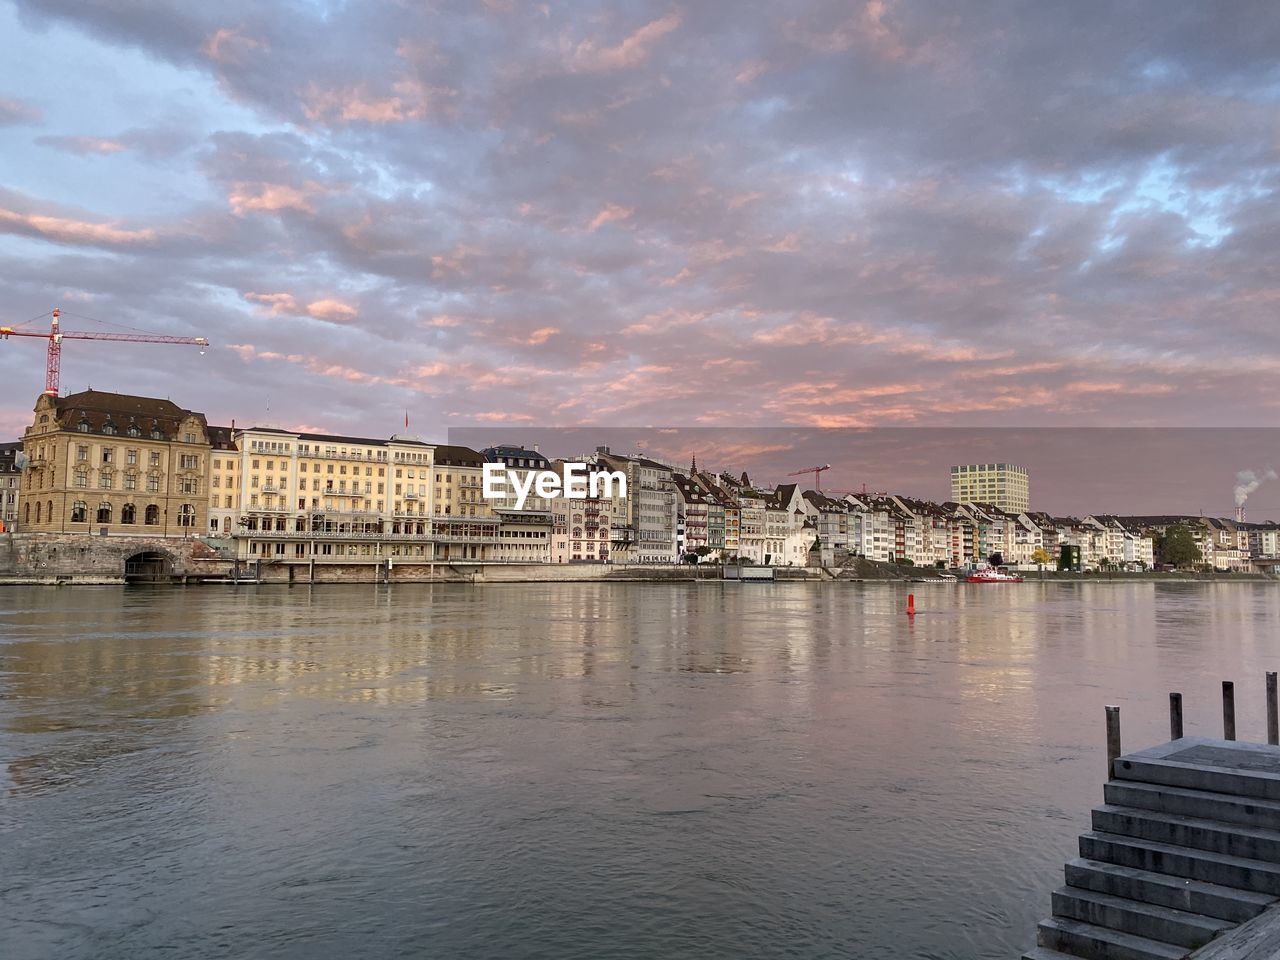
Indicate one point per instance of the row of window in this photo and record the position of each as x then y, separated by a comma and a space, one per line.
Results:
104, 513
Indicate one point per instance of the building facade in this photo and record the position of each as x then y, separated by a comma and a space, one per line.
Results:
11, 461
115, 464
1002, 485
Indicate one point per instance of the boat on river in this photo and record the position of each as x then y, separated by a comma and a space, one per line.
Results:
989, 574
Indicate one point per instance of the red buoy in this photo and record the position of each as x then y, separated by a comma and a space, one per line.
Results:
911, 604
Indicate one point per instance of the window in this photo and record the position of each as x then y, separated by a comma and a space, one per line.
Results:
153, 484
129, 514
155, 458
104, 480
104, 513
216, 481
186, 515
81, 480
109, 428
157, 435
82, 451
79, 512
131, 457
108, 454
83, 426
189, 485
189, 461
131, 480
151, 516
134, 431
188, 438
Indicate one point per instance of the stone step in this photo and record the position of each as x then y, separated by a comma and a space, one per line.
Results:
1249, 811
1198, 776
1044, 953
1232, 839
1180, 893
1216, 868
1078, 939
1148, 920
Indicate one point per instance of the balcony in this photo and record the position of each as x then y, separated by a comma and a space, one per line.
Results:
412, 496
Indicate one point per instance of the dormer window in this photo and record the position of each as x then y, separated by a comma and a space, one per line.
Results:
109, 428
134, 431
156, 435
83, 426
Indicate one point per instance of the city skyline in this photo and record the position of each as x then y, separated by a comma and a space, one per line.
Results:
828, 215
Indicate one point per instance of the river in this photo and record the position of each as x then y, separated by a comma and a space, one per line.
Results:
578, 770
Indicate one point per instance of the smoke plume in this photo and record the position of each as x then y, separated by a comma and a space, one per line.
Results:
1248, 481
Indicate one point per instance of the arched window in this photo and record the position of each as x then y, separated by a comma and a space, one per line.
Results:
134, 431
79, 512
49, 511
37, 513
83, 426
186, 515
104, 513
157, 435
109, 428
129, 514
26, 513
226, 524
151, 517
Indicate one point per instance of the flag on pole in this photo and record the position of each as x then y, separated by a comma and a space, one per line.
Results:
406, 419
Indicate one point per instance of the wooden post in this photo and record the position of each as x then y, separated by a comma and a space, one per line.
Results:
1113, 739
1175, 716
1273, 717
1228, 710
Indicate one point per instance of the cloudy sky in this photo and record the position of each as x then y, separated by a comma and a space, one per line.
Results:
695, 213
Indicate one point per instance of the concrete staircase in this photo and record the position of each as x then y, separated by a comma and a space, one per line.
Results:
1186, 847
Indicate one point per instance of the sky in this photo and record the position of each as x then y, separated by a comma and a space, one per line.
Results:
812, 215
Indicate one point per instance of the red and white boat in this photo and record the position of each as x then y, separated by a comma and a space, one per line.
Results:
989, 574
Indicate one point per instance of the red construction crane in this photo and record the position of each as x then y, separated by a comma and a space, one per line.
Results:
817, 475
56, 335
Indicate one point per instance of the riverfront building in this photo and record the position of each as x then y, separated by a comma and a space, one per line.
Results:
110, 463
10, 483
1002, 485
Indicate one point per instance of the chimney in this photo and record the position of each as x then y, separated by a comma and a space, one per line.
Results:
1240, 514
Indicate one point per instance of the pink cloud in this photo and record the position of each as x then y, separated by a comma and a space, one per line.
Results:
334, 311
540, 336
274, 303
84, 146
228, 46
411, 99
271, 197
66, 230
631, 52
609, 214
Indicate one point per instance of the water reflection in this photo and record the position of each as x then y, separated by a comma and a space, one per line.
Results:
576, 769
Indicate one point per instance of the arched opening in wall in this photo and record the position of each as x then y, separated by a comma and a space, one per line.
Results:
148, 567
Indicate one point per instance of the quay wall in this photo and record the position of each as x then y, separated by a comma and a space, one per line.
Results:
52, 558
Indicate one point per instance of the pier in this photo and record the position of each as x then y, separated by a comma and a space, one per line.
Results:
1183, 859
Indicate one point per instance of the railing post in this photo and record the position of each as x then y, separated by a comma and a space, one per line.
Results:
1113, 739
1273, 717
1228, 710
1175, 716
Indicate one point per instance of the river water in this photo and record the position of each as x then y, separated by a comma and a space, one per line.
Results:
578, 770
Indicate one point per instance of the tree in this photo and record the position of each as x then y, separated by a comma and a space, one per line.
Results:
996, 559
1177, 547
1041, 557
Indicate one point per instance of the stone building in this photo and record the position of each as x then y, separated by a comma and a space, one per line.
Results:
10, 484
114, 464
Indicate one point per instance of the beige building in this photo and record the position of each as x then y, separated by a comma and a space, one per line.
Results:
224, 481
110, 463
1001, 485
310, 495
464, 525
